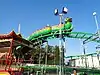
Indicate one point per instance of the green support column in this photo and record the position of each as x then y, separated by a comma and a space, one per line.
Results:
63, 54
46, 58
40, 54
85, 55
64, 47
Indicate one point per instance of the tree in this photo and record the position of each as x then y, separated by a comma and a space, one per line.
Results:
39, 53
57, 55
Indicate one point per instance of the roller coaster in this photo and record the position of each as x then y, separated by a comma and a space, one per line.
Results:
15, 42
67, 27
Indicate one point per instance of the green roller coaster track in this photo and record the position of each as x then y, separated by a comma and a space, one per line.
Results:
78, 35
56, 67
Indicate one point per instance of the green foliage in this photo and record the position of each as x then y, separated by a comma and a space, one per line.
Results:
40, 54
56, 55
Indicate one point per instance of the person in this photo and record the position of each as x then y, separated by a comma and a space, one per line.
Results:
75, 72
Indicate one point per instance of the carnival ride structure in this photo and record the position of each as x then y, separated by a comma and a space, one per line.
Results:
12, 41
41, 36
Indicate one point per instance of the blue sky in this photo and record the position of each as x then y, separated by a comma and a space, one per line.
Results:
36, 14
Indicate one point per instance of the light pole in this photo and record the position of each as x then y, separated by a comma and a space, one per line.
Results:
61, 62
19, 29
97, 25
94, 14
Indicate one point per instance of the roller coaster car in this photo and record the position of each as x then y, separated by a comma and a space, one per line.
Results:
56, 28
68, 25
41, 32
68, 20
44, 31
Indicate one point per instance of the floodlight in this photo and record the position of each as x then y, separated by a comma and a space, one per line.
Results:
64, 10
94, 13
56, 12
